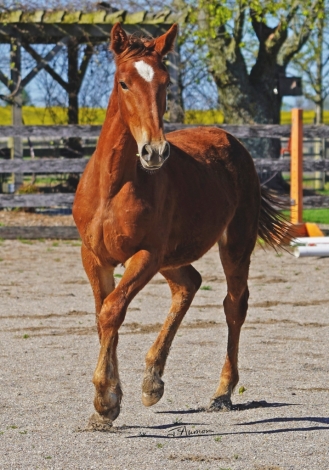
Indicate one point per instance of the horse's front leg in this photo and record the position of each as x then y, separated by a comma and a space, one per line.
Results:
100, 277
184, 283
140, 269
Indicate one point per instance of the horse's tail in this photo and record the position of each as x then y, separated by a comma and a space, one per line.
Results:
273, 226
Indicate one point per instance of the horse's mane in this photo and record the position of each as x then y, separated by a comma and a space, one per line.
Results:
138, 46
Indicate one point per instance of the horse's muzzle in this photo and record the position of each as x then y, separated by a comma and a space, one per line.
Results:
153, 155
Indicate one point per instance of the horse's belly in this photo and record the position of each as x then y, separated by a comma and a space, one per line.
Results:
193, 244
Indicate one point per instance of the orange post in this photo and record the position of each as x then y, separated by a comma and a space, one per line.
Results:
296, 167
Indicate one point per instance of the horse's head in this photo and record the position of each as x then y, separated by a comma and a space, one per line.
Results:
141, 82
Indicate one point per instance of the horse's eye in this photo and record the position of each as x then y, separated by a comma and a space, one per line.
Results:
123, 86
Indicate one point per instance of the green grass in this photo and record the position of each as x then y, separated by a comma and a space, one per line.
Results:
318, 216
205, 287
25, 241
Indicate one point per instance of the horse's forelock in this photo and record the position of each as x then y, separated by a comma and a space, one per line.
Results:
137, 47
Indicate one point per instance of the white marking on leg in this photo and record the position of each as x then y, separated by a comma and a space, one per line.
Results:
144, 70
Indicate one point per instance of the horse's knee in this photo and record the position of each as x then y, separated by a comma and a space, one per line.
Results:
111, 316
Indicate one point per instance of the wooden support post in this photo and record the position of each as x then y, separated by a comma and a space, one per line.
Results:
17, 118
73, 82
296, 172
74, 143
175, 108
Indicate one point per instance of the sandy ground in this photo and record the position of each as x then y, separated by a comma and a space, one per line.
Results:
21, 218
49, 348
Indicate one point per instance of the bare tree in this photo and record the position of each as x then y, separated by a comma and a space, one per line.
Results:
312, 62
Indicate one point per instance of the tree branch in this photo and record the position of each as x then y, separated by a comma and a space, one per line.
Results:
261, 29
5, 80
10, 98
297, 41
273, 38
238, 24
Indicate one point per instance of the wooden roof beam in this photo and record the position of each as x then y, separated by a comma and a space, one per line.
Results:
41, 65
37, 57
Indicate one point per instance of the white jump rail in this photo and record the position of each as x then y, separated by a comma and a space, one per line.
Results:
310, 241
310, 246
308, 250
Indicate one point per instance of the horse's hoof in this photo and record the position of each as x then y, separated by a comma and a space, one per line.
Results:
108, 406
98, 422
152, 391
150, 399
220, 404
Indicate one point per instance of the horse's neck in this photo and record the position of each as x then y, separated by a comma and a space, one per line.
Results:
116, 150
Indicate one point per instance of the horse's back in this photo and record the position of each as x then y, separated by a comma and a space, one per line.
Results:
216, 153
210, 144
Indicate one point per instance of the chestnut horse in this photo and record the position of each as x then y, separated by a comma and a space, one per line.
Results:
152, 212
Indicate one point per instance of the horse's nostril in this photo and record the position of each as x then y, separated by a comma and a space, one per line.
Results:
166, 151
146, 152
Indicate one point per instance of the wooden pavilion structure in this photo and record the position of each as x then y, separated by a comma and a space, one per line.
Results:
69, 29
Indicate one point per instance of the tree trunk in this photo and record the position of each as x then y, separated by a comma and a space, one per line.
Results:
253, 101
319, 112
252, 97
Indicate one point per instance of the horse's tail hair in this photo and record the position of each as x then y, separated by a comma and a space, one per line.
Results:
273, 226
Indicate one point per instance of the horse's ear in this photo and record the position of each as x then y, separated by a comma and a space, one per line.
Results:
165, 43
119, 39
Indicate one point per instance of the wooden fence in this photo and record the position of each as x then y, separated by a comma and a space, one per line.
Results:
77, 165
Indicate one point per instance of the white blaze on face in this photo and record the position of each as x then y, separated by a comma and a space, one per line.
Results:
144, 70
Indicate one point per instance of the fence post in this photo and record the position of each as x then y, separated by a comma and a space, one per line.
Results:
296, 172
17, 145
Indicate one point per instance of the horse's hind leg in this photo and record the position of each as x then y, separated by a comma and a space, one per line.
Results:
184, 283
235, 250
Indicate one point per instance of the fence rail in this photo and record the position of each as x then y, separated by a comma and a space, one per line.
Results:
37, 232
66, 200
36, 200
241, 131
44, 165
77, 165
